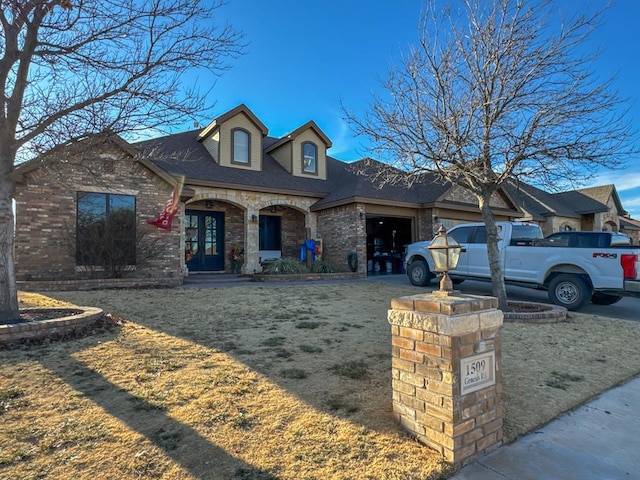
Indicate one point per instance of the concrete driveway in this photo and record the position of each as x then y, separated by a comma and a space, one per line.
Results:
628, 308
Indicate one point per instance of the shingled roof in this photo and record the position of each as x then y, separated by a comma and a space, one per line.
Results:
627, 223
537, 203
581, 203
602, 195
361, 181
182, 154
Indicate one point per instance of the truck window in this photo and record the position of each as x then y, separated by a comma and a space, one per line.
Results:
525, 234
591, 241
481, 235
461, 235
557, 240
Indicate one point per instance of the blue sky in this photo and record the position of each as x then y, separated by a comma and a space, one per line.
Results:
306, 56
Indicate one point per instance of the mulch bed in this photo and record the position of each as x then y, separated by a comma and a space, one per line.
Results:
107, 323
526, 307
40, 314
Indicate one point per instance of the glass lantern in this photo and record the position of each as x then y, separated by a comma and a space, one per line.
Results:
445, 252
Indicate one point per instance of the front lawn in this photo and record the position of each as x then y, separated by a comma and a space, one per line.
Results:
260, 382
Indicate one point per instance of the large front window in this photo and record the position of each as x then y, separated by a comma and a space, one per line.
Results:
240, 152
106, 230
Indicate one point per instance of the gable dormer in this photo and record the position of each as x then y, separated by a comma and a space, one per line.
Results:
303, 152
235, 139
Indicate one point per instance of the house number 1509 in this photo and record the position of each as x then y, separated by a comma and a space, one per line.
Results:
476, 367
477, 372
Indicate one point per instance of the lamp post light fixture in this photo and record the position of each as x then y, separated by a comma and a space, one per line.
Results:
445, 252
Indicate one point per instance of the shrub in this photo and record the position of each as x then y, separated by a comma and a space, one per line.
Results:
285, 265
320, 266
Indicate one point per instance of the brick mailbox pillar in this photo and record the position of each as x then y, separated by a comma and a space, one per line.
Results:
446, 367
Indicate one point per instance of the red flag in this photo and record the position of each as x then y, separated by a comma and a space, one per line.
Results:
165, 218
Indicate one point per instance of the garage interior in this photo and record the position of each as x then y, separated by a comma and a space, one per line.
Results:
386, 239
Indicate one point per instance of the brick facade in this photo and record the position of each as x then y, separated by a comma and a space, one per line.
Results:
343, 230
431, 334
293, 231
46, 215
233, 232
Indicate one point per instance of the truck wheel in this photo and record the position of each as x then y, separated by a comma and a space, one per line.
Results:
419, 274
569, 291
605, 299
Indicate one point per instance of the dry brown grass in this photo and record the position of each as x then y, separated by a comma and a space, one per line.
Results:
262, 383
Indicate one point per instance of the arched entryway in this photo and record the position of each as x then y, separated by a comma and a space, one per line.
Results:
281, 232
204, 240
212, 229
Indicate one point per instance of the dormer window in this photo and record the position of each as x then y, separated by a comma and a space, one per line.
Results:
240, 147
309, 158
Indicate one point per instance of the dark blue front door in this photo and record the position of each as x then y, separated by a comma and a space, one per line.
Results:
204, 242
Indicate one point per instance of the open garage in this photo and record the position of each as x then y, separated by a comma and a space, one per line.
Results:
386, 238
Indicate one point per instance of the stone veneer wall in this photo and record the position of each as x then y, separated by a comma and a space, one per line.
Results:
233, 232
46, 215
342, 231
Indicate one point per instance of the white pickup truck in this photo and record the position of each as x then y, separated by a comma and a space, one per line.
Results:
573, 276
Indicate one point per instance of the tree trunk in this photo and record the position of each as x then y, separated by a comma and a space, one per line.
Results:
8, 291
493, 254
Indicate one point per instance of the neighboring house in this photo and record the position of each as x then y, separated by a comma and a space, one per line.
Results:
243, 191
591, 209
607, 195
630, 228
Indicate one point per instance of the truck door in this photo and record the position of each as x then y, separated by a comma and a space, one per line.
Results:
477, 259
462, 235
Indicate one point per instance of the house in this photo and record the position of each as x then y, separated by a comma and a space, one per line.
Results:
243, 191
591, 209
631, 228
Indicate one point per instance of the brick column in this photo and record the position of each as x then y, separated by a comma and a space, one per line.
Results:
446, 368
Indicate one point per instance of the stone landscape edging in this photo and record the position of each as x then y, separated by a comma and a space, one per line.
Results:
303, 277
547, 314
97, 284
41, 328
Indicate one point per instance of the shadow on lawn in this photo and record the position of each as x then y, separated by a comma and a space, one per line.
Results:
339, 364
180, 442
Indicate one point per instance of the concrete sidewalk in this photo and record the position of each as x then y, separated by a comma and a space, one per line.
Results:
598, 441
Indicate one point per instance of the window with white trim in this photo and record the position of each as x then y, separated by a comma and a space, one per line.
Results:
309, 158
240, 151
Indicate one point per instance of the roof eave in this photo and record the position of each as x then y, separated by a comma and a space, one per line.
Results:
192, 182
290, 136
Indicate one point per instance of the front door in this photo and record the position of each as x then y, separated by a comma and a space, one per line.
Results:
204, 242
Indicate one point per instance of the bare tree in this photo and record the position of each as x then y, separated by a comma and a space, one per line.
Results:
494, 91
73, 68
